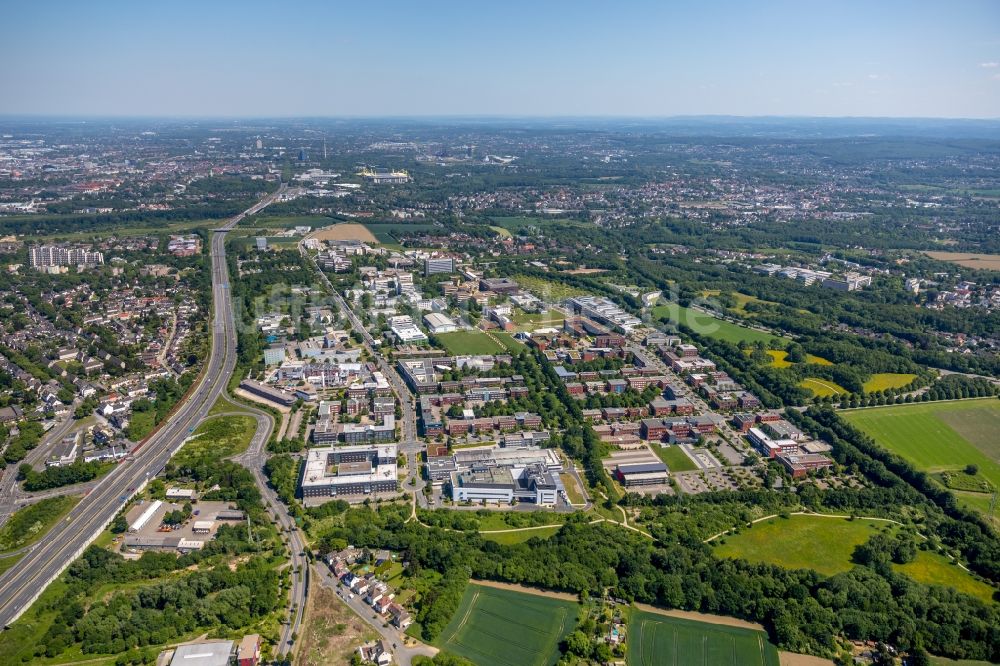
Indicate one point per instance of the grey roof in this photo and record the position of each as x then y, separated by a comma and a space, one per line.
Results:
642, 468
208, 653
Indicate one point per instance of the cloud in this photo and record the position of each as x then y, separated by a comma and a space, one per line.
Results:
990, 65
877, 77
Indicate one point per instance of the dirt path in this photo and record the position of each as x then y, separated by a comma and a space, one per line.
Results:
708, 618
793, 659
537, 591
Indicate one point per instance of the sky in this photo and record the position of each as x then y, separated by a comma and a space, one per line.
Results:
888, 58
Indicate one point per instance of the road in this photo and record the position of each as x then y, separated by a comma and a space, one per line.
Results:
21, 585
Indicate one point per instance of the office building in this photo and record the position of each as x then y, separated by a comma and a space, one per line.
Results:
349, 471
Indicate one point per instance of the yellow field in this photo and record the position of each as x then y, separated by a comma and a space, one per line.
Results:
346, 232
822, 387
986, 262
886, 380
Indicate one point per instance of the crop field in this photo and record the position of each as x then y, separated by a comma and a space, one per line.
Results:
822, 387
705, 324
461, 343
495, 627
886, 380
985, 262
388, 233
940, 436
659, 640
801, 542
346, 232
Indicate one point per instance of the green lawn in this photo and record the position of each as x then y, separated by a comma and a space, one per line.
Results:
508, 341
822, 387
705, 324
886, 380
218, 437
936, 569
674, 458
547, 290
801, 542
659, 640
495, 627
510, 538
462, 343
28, 525
141, 424
939, 436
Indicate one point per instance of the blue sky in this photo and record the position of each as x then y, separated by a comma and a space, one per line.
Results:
544, 57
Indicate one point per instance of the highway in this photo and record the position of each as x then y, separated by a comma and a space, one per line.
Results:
23, 583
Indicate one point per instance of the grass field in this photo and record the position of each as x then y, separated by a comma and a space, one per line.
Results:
936, 569
659, 640
30, 524
822, 387
494, 627
801, 542
547, 290
462, 343
706, 324
818, 360
387, 233
510, 538
219, 437
508, 341
779, 358
675, 459
886, 380
529, 321
940, 436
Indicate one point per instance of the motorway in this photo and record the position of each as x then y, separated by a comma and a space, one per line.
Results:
21, 585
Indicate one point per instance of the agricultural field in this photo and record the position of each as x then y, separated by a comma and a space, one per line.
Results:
463, 343
674, 458
387, 233
288, 221
941, 437
713, 327
822, 387
660, 640
346, 231
888, 380
219, 437
495, 627
801, 542
985, 262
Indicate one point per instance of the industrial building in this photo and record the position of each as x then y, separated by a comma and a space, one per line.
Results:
268, 393
533, 483
439, 323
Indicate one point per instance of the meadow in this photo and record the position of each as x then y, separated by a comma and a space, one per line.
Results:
494, 627
218, 437
705, 324
464, 343
801, 542
659, 640
822, 387
939, 436
887, 380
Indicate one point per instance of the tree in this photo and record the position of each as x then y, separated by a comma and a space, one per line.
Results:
972, 469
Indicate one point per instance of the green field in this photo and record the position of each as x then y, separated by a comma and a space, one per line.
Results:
705, 324
495, 627
508, 341
940, 436
510, 538
547, 290
387, 232
675, 459
779, 358
219, 437
30, 524
659, 640
801, 542
529, 321
887, 380
462, 343
822, 387
818, 360
936, 569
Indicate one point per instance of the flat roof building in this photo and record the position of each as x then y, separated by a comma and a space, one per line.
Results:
349, 471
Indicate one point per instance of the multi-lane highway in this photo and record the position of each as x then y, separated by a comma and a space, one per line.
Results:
23, 583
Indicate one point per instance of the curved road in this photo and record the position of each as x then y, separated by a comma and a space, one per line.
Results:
21, 585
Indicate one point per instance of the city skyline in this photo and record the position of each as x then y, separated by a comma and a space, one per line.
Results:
450, 59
